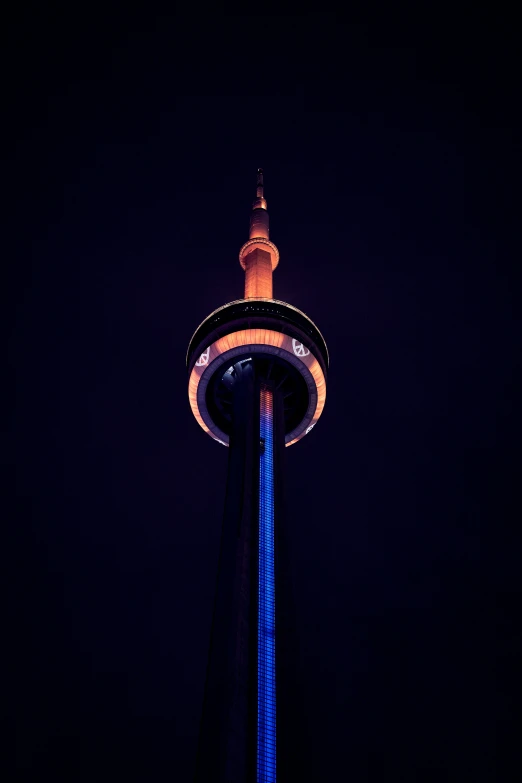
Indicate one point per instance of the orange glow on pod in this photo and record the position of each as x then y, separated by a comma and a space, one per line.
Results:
227, 348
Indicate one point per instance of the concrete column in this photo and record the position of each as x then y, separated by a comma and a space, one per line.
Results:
258, 274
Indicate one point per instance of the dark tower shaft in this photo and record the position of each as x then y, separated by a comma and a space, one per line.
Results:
238, 732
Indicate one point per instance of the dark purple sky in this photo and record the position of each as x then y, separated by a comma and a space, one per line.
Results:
391, 150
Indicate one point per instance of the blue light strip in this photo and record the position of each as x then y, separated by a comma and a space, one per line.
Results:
266, 692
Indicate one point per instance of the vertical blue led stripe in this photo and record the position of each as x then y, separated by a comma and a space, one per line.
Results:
266, 693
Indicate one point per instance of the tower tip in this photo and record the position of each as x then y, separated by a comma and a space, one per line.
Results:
259, 190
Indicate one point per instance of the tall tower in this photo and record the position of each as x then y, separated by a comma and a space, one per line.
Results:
257, 383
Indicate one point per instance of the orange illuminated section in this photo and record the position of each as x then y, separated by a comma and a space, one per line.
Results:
259, 256
225, 350
258, 274
259, 220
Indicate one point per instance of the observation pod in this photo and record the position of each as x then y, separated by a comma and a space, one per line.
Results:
286, 349
257, 371
284, 345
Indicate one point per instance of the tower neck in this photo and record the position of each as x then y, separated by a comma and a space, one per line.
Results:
262, 256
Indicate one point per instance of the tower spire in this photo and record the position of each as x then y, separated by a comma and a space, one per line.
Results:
259, 256
259, 223
259, 193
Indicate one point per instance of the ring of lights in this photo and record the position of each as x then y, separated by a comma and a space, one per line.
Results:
251, 341
257, 242
268, 313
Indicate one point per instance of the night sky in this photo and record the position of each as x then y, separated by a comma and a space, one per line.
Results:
391, 148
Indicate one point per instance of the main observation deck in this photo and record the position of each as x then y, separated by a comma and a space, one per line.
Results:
282, 342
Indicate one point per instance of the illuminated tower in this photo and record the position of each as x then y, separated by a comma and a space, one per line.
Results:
257, 383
